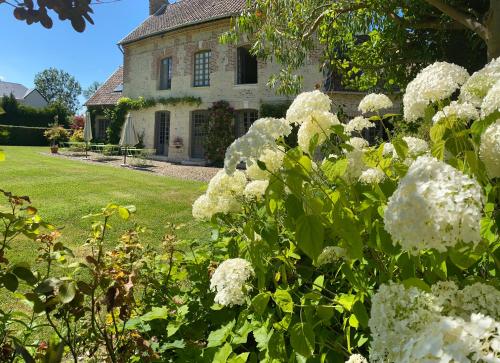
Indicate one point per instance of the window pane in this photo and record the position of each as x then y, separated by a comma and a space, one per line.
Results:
247, 67
202, 69
166, 73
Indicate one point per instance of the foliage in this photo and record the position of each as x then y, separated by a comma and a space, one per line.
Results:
221, 131
58, 86
56, 134
322, 243
77, 12
117, 113
91, 89
77, 136
276, 110
20, 115
369, 44
77, 122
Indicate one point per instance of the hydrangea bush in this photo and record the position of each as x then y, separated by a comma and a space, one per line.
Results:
381, 252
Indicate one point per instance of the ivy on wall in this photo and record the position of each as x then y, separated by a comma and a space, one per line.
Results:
116, 114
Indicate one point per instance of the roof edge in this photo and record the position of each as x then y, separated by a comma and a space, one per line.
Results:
102, 85
186, 25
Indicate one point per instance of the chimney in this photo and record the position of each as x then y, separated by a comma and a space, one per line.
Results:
155, 5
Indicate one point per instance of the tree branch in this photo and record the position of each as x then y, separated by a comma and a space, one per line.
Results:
460, 17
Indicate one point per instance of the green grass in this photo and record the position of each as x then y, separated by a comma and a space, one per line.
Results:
64, 190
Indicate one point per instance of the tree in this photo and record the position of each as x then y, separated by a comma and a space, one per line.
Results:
370, 44
58, 86
90, 90
76, 11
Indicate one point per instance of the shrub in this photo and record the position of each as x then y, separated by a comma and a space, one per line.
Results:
221, 131
77, 135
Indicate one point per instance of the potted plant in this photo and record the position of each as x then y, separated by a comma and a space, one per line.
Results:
55, 134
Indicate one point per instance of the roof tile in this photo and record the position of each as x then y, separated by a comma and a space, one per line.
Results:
183, 13
106, 94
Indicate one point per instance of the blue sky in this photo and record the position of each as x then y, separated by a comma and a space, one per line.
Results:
89, 56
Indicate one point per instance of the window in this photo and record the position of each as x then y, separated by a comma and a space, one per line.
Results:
247, 67
166, 73
102, 126
202, 69
245, 119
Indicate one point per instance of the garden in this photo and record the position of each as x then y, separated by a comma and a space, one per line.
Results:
380, 251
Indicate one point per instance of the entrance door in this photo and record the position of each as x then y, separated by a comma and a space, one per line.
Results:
162, 132
199, 132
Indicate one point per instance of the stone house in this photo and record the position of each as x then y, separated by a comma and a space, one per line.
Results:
176, 52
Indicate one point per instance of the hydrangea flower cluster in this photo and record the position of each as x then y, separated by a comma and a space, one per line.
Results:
273, 160
461, 111
306, 105
435, 82
372, 176
318, 124
479, 84
358, 124
413, 326
435, 206
356, 358
374, 102
221, 195
489, 151
416, 146
229, 281
261, 136
491, 103
256, 189
356, 165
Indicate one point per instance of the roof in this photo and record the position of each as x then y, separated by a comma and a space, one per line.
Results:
106, 94
18, 90
184, 13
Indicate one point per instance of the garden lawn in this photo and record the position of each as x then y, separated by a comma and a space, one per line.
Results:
64, 190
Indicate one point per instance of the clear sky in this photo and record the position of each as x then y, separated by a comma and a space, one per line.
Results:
89, 56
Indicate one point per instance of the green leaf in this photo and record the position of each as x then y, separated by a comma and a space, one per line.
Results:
219, 336
325, 312
302, 339
24, 273
277, 347
124, 213
223, 353
464, 257
67, 292
259, 302
401, 148
438, 149
416, 282
284, 300
347, 301
10, 282
359, 310
310, 235
156, 313
335, 170
173, 327
241, 358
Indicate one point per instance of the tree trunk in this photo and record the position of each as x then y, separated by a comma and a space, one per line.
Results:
492, 24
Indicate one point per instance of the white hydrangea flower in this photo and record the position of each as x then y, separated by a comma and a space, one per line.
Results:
389, 150
478, 85
318, 123
256, 189
372, 176
491, 103
229, 281
358, 143
306, 104
273, 160
462, 111
434, 206
435, 82
356, 358
413, 326
330, 254
261, 135
416, 146
489, 151
374, 102
221, 195
358, 124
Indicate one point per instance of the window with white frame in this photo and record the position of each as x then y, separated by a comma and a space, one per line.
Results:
202, 69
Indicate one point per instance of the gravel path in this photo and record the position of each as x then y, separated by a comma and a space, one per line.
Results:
199, 173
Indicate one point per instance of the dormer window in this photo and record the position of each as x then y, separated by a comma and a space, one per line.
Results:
166, 73
247, 67
202, 69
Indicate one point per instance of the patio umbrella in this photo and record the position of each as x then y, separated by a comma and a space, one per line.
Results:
129, 137
87, 133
